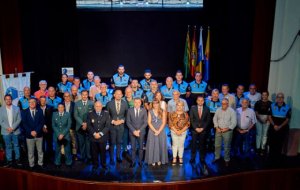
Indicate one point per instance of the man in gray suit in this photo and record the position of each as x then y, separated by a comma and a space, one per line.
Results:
10, 118
117, 110
136, 120
81, 110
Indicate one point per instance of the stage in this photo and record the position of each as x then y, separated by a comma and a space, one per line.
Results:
121, 172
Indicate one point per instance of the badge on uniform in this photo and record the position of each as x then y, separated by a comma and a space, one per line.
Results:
93, 121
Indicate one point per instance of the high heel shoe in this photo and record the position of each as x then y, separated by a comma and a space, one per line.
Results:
180, 161
174, 161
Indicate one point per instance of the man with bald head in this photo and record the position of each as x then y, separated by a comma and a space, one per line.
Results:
167, 90
98, 124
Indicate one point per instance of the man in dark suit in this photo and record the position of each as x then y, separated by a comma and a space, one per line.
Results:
136, 121
33, 123
98, 123
117, 110
69, 107
200, 118
47, 129
81, 110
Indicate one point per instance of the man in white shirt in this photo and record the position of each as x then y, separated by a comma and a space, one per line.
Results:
246, 119
10, 118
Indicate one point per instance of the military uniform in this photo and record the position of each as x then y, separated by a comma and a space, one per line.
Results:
61, 124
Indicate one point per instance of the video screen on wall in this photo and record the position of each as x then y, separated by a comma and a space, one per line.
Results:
139, 4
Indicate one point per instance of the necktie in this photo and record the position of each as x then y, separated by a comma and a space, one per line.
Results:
84, 103
98, 113
200, 112
118, 107
33, 114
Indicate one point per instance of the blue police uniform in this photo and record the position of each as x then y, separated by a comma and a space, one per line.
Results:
182, 87
121, 81
53, 102
238, 100
213, 105
87, 84
146, 84
196, 88
276, 138
23, 103
138, 94
104, 99
149, 97
167, 92
62, 88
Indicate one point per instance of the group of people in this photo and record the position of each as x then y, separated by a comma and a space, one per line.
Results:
78, 120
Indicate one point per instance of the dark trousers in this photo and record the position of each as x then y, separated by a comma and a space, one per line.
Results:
116, 137
48, 146
199, 143
98, 147
67, 148
125, 138
242, 143
84, 145
134, 140
276, 143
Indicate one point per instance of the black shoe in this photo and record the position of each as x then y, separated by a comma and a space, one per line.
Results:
141, 164
192, 161
104, 166
57, 166
7, 164
112, 162
19, 163
119, 160
132, 165
226, 163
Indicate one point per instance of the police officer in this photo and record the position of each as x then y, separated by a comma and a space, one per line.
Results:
137, 92
167, 90
61, 124
104, 96
180, 84
98, 123
279, 120
239, 95
252, 95
145, 83
87, 83
23, 101
120, 80
213, 103
148, 97
197, 87
53, 100
63, 86
78, 84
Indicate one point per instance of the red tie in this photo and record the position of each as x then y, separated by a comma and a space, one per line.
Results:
200, 112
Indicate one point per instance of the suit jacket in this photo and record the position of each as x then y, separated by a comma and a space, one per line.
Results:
197, 122
81, 113
71, 111
15, 122
61, 125
48, 117
98, 124
30, 124
137, 123
111, 108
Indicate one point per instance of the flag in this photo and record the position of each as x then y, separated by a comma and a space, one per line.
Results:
187, 58
14, 85
207, 52
200, 53
193, 55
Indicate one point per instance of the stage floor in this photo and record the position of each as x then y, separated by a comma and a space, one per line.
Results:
121, 172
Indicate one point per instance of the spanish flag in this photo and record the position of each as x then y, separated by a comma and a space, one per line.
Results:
193, 55
187, 54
